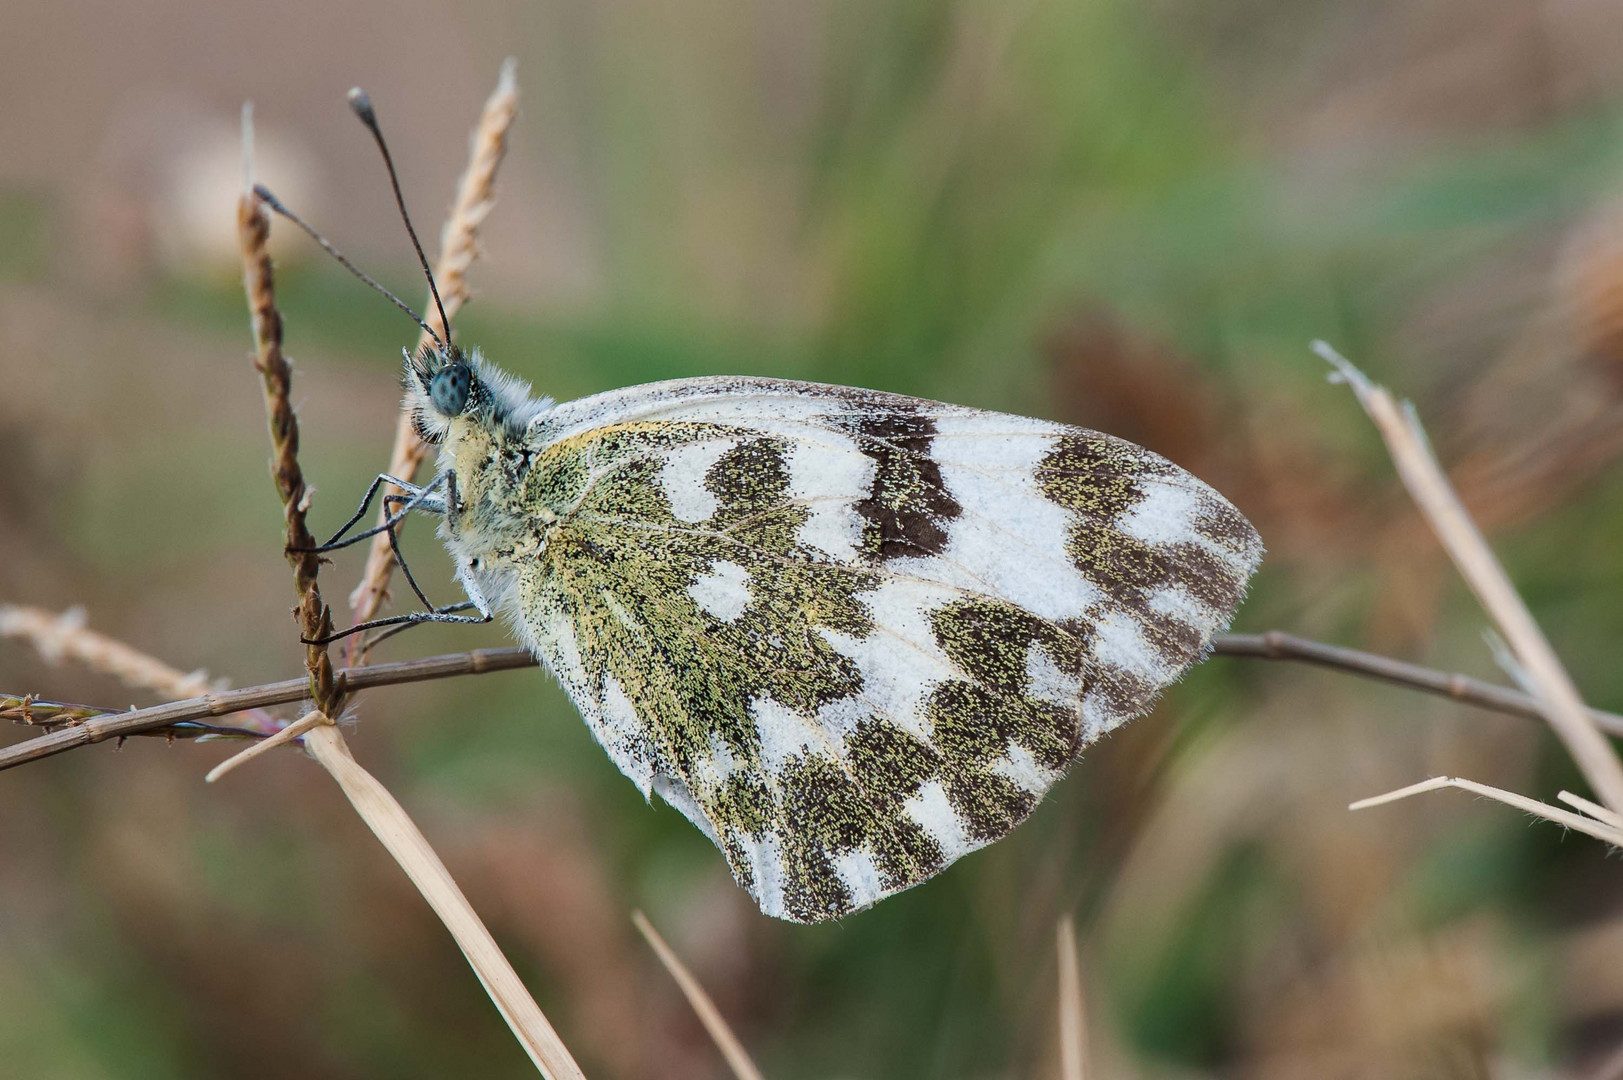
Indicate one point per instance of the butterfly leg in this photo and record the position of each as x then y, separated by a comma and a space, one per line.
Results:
415, 618
374, 640
394, 546
416, 498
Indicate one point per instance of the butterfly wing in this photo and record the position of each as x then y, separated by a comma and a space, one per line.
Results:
854, 636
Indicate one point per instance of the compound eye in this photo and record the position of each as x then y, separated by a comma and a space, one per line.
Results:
449, 389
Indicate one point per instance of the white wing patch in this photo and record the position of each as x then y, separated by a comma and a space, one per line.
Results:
1046, 682
830, 475
940, 820
622, 736
1004, 543
723, 591
683, 477
902, 663
1021, 769
785, 734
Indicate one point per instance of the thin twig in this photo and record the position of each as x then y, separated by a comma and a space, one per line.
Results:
1073, 1021
222, 703
738, 1058
42, 712
95, 728
390, 823
1411, 454
1600, 830
1277, 645
65, 637
475, 195
51, 715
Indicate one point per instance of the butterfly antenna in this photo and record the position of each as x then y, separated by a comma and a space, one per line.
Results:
361, 105
264, 195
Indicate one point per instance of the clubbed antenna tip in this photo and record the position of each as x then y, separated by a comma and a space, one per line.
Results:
361, 104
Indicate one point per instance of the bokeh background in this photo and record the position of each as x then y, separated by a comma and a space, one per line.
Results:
1132, 215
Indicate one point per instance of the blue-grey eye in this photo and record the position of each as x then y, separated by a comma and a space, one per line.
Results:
449, 389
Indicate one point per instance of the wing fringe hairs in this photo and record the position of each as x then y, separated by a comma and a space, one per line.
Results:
852, 636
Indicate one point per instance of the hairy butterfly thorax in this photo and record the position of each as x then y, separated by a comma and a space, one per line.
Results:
480, 418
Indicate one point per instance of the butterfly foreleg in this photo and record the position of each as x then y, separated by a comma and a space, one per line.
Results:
424, 498
406, 622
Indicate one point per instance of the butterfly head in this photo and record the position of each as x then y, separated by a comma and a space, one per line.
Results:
448, 390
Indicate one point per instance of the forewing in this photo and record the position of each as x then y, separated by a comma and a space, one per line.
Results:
854, 636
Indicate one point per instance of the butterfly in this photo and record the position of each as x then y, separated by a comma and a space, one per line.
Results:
852, 636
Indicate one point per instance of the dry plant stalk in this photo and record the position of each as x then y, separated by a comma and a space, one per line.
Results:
1277, 645
259, 283
1600, 827
475, 196
375, 805
297, 728
1073, 1021
721, 1034
92, 724
1548, 680
1594, 810
65, 637
390, 823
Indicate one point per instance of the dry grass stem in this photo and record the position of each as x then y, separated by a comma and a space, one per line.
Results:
270, 742
737, 1058
1593, 809
390, 823
1073, 1021
475, 196
1600, 830
1553, 687
276, 373
65, 637
1277, 645
92, 727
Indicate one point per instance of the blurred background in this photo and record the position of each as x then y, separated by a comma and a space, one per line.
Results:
1123, 214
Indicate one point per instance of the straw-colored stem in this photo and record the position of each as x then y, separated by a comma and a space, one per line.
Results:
97, 725
1562, 705
459, 246
721, 1034
390, 823
1599, 829
1593, 809
265, 745
1073, 1022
